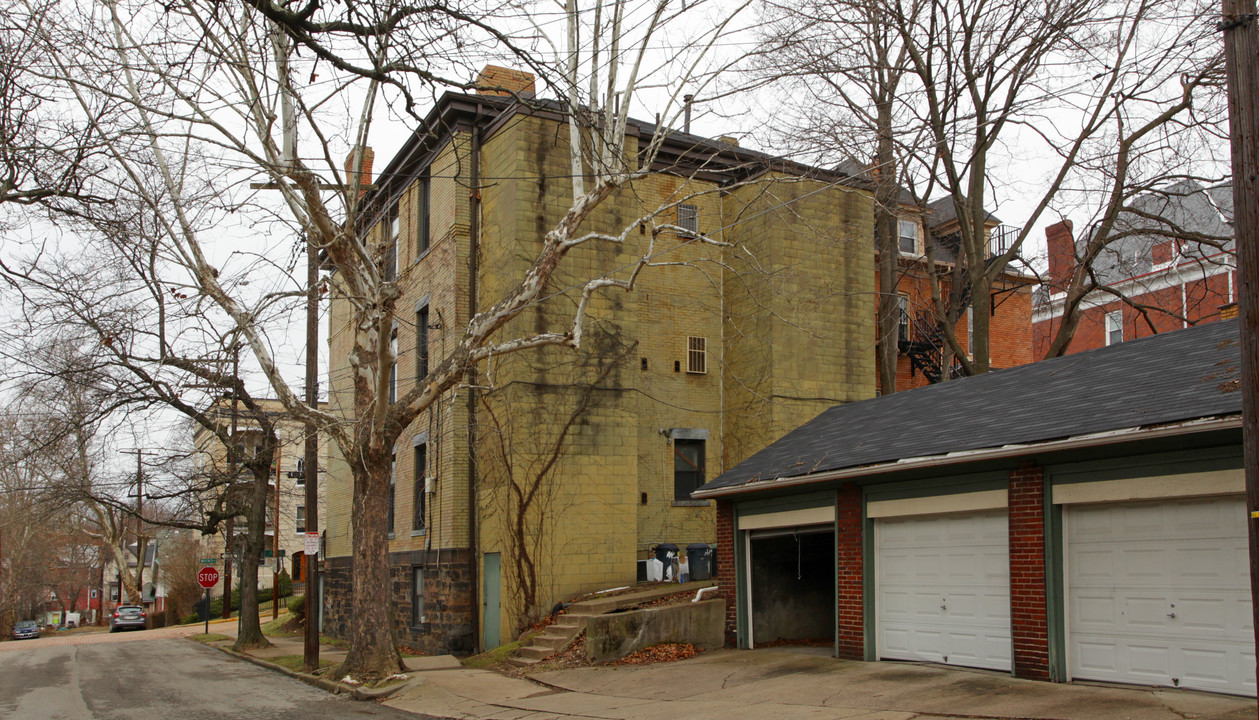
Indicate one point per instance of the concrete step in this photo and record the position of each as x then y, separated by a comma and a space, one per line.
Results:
521, 661
536, 652
555, 642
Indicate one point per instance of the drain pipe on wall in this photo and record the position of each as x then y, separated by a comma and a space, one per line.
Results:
700, 593
474, 246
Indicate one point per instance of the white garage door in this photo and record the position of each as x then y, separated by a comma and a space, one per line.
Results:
943, 589
1159, 594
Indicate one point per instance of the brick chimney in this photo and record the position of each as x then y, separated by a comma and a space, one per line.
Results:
495, 80
1061, 252
363, 161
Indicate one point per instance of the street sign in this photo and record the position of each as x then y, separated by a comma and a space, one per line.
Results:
209, 561
208, 577
312, 543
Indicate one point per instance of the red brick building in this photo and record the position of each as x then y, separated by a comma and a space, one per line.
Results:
921, 342
1173, 268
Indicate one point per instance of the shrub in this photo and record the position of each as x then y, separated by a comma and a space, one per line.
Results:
297, 606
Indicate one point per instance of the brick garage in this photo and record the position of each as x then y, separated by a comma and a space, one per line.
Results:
1007, 521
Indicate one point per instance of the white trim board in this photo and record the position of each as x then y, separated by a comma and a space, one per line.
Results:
1199, 484
788, 518
938, 504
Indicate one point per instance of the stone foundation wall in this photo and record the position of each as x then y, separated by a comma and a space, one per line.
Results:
446, 626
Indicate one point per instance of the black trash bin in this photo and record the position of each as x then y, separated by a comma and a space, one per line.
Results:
667, 554
699, 558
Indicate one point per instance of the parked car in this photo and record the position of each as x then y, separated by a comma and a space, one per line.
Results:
25, 630
128, 617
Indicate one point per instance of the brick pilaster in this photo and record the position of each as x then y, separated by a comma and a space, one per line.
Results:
725, 565
1028, 615
850, 633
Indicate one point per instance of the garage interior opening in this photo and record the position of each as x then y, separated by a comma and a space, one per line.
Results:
793, 587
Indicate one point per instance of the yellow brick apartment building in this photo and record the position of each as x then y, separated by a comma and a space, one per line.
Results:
553, 472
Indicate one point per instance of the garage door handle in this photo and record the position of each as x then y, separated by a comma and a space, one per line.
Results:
1171, 615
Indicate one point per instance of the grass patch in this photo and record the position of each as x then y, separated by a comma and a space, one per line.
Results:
209, 637
498, 655
279, 627
296, 663
334, 642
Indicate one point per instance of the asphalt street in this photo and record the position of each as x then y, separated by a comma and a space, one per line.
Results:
158, 679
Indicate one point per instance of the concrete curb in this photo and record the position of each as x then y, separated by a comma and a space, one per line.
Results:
331, 686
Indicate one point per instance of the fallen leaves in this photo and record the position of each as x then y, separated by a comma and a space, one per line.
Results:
665, 652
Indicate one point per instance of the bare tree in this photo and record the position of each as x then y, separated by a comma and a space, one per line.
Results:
525, 456
204, 98
1120, 97
838, 68
1108, 88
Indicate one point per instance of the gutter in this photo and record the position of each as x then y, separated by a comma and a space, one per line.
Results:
1109, 437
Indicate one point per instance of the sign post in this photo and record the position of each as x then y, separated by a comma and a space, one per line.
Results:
207, 577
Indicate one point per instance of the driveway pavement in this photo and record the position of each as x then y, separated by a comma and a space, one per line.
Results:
792, 685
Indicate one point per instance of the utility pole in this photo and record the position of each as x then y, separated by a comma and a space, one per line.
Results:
141, 539
231, 474
310, 569
275, 540
1241, 57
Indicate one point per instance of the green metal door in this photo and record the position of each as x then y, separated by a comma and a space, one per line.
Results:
492, 604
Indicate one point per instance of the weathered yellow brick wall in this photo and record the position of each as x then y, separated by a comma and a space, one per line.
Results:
340, 484
785, 313
437, 276
798, 291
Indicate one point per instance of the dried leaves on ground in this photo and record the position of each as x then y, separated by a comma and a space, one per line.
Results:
665, 652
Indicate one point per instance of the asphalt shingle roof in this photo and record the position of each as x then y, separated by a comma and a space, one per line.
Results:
1171, 377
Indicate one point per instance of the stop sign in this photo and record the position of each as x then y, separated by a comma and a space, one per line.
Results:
208, 577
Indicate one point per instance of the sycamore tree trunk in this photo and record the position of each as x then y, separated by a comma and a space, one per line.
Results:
373, 650
249, 629
886, 235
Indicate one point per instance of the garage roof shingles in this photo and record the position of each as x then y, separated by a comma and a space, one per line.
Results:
1167, 378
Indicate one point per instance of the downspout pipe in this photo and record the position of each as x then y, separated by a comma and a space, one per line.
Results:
474, 246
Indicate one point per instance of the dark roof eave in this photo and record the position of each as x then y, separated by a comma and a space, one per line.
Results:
1109, 437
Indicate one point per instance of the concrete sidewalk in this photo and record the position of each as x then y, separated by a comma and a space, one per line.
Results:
781, 684
791, 685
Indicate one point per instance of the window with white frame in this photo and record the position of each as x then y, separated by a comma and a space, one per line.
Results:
1114, 327
301, 519
908, 240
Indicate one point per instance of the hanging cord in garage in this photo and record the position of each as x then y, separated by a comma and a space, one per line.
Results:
797, 537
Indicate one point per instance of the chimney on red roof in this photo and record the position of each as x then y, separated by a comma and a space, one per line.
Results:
495, 80
1061, 252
